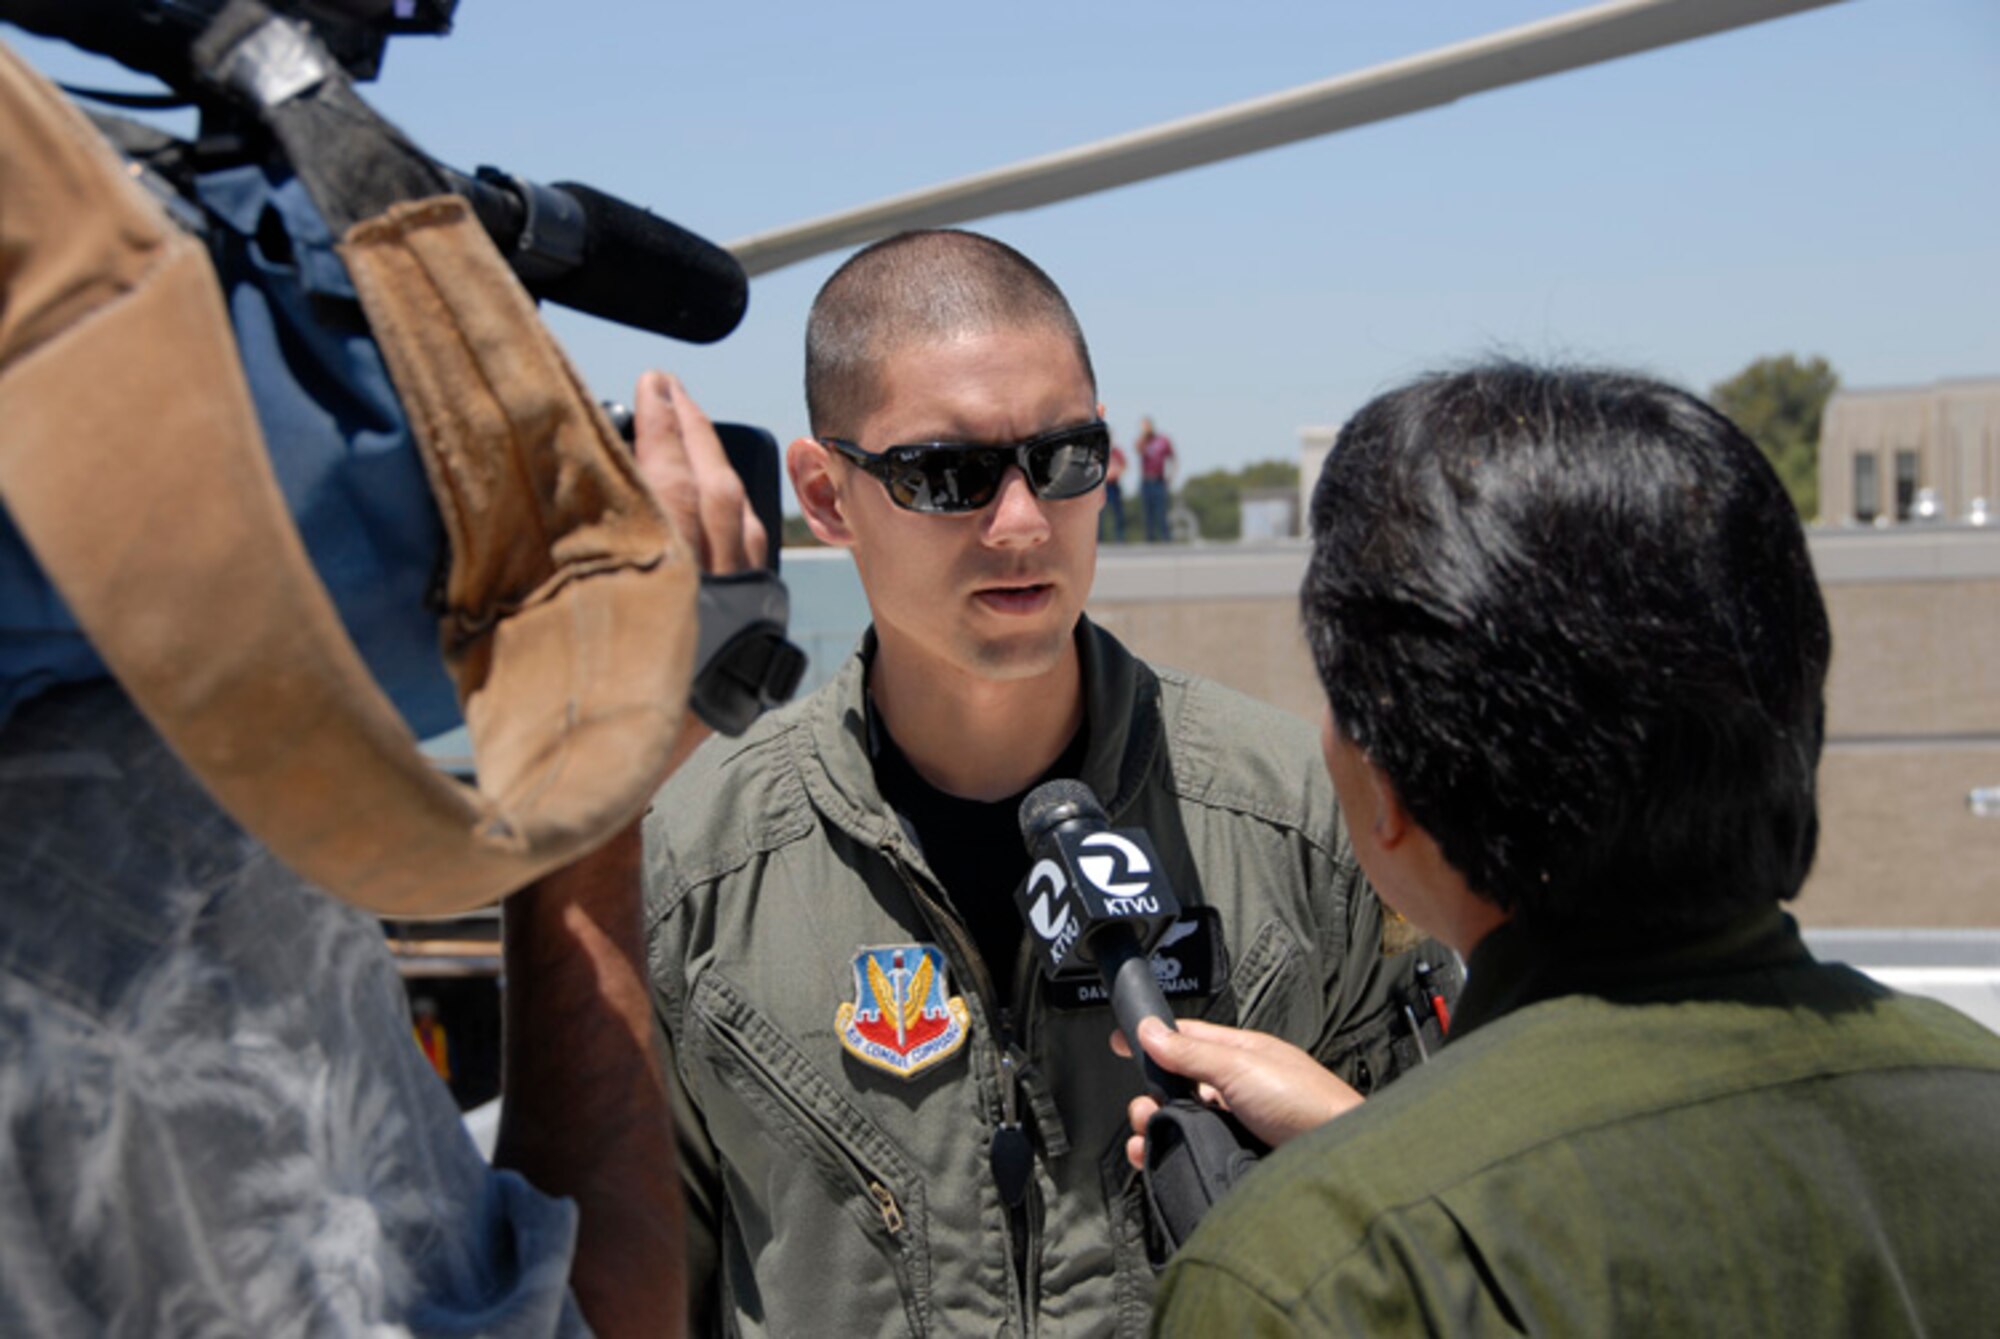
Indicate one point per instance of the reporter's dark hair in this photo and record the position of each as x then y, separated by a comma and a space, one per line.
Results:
1571, 615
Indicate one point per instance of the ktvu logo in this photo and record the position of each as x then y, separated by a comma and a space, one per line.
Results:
1121, 873
1049, 910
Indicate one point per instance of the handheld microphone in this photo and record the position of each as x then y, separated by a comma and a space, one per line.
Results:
1097, 900
1098, 903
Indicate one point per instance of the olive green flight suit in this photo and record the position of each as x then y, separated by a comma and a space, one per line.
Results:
830, 1195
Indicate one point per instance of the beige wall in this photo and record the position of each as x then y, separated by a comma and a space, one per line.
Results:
1915, 659
1250, 644
1898, 846
1913, 699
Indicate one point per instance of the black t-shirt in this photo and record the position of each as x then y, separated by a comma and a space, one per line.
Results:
973, 846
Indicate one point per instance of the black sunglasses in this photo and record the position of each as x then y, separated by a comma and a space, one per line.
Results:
943, 478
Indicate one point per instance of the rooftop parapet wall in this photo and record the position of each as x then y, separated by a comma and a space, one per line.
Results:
1913, 697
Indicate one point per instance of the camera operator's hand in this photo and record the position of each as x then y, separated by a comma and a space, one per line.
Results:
682, 462
1273, 1087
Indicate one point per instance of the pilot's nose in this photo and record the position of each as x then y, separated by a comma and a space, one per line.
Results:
1016, 518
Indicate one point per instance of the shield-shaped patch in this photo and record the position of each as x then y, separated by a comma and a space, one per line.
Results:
902, 1019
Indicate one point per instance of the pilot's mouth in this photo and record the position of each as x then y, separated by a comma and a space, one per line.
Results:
1022, 599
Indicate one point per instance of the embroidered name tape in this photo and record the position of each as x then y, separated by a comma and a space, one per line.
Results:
1190, 962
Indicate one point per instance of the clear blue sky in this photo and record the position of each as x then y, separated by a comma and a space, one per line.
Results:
1824, 183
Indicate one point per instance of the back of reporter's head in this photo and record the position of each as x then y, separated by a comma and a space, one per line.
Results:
1570, 614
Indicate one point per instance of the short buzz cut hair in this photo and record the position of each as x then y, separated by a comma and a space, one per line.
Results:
1571, 616
919, 287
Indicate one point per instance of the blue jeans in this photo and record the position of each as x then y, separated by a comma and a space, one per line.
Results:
1153, 501
207, 1065
1114, 507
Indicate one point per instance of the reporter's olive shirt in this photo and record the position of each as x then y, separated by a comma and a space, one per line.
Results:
826, 1196
1726, 1138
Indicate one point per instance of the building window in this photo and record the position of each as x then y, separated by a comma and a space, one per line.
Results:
1906, 484
1867, 488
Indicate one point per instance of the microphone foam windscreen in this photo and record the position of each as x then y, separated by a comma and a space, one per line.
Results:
640, 270
1054, 803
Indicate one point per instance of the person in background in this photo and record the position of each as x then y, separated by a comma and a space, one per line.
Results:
1574, 655
1156, 479
1114, 495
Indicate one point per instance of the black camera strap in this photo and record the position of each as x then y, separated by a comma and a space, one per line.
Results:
355, 164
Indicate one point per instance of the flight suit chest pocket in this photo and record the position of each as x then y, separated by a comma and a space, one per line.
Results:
820, 1193
1271, 989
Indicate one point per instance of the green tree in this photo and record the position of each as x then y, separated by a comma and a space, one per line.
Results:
1216, 497
1779, 403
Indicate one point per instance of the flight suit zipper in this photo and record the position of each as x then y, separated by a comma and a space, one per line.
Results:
1027, 1254
885, 1203
1013, 1160
946, 926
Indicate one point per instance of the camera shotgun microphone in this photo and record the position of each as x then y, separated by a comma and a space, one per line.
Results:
1098, 903
593, 252
569, 243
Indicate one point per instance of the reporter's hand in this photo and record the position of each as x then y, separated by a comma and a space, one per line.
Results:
1273, 1087
682, 462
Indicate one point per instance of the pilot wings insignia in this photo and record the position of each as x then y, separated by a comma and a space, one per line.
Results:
902, 1019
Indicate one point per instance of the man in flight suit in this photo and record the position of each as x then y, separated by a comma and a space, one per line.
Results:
890, 1119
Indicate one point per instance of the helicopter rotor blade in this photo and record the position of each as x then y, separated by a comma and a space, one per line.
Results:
1517, 55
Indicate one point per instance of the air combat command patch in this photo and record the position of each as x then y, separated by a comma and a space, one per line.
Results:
902, 1021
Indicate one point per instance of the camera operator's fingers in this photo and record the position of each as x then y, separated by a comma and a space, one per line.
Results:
663, 461
736, 539
682, 463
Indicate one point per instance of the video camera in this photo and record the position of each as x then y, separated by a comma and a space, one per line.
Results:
154, 36
567, 242
359, 415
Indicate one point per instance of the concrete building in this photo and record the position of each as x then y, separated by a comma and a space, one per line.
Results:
1315, 444
1270, 514
1911, 453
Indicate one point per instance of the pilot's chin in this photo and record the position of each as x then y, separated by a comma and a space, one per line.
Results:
1022, 655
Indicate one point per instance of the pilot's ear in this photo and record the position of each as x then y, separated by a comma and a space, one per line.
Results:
818, 489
